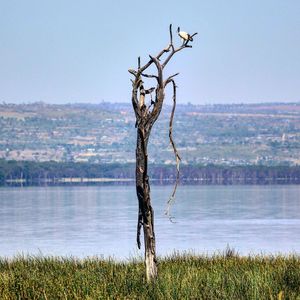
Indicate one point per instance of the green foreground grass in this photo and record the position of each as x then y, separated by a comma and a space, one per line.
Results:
184, 276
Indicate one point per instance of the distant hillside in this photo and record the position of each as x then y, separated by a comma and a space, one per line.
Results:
229, 135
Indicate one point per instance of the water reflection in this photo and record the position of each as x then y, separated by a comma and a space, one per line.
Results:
101, 220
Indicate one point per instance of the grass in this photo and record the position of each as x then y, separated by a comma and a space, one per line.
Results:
181, 276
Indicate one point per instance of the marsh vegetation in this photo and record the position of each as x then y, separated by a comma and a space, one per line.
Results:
184, 276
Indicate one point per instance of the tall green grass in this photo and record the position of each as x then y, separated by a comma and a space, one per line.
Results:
181, 276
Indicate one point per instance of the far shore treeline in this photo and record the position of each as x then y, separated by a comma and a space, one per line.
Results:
29, 172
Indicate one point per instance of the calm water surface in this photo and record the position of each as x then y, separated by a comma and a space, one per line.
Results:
101, 220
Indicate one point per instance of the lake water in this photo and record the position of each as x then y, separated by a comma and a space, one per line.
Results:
101, 220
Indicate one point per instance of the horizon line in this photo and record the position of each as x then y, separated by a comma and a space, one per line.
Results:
129, 103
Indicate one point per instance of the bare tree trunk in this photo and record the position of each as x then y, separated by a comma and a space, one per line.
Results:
146, 115
146, 214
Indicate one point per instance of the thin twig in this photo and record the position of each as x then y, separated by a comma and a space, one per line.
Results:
194, 34
171, 38
168, 80
149, 76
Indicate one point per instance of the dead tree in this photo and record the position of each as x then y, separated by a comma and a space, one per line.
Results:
146, 114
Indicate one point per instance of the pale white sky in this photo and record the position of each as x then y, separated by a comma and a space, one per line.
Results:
62, 51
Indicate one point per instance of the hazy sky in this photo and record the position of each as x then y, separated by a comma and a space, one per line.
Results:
62, 51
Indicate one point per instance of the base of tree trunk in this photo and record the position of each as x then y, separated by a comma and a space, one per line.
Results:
151, 268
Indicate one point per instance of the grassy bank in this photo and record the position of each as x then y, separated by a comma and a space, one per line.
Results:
180, 277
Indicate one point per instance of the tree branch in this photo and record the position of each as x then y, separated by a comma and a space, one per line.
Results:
159, 70
149, 76
184, 45
171, 38
177, 157
194, 34
169, 79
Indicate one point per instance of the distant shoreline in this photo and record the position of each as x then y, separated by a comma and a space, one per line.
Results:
71, 180
55, 173
131, 181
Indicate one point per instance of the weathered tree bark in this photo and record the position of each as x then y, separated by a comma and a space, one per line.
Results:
146, 214
146, 116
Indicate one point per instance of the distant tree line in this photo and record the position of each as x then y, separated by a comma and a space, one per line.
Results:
38, 172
